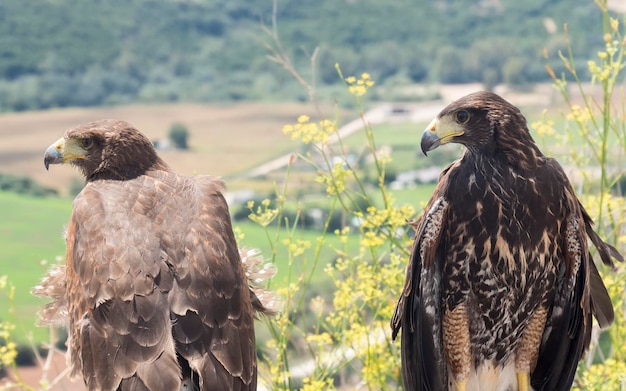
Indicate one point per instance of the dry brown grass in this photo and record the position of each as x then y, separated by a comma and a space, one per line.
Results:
224, 140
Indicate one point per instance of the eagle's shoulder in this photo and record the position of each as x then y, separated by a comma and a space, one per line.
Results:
210, 184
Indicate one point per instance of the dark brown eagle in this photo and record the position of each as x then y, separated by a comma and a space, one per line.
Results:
500, 287
154, 288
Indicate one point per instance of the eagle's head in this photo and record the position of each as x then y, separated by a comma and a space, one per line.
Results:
484, 123
105, 149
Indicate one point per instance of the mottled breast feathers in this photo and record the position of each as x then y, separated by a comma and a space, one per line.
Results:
500, 281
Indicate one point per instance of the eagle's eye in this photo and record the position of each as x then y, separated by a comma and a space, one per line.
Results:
462, 116
86, 142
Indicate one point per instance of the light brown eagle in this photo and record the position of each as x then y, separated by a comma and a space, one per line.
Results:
500, 288
154, 290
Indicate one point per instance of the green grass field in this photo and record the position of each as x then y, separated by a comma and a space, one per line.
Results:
31, 235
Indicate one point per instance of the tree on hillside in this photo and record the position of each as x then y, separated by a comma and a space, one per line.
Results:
179, 134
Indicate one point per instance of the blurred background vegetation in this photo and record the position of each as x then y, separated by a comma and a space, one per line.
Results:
87, 53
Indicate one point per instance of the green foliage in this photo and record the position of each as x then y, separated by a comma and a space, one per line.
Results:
513, 72
76, 53
32, 237
76, 186
449, 66
25, 356
24, 185
8, 347
179, 134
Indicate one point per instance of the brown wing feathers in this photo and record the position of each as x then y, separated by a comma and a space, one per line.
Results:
126, 323
418, 308
154, 287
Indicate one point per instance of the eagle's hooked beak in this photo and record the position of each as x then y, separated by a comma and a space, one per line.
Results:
430, 140
61, 151
54, 153
440, 131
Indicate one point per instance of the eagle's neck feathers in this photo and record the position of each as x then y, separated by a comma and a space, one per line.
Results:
126, 155
514, 148
127, 171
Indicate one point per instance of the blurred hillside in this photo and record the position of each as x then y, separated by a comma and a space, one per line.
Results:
58, 53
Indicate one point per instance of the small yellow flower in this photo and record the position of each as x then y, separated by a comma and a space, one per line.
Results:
288, 129
357, 90
359, 87
297, 247
239, 235
309, 384
320, 339
372, 239
8, 352
543, 127
263, 215
579, 114
311, 132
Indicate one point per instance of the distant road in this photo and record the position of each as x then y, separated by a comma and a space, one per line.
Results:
387, 112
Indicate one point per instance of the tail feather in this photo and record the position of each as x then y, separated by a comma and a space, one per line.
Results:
601, 305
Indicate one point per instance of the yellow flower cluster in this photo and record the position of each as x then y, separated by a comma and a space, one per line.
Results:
278, 375
8, 352
239, 235
376, 370
311, 132
335, 180
359, 87
582, 115
378, 225
316, 385
297, 247
343, 235
609, 375
543, 127
278, 372
321, 340
363, 303
263, 214
613, 210
614, 24
609, 66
